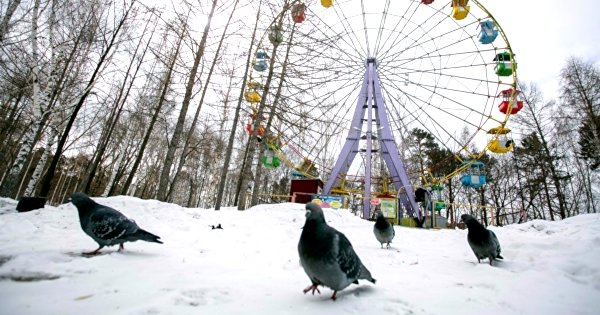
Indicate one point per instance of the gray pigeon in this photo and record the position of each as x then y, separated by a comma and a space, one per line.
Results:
383, 230
483, 242
327, 255
106, 225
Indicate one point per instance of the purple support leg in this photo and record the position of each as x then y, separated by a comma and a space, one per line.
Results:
369, 99
351, 145
369, 150
390, 153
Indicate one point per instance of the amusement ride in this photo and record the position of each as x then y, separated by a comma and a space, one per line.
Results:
372, 72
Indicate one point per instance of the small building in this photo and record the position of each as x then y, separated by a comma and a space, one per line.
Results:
302, 189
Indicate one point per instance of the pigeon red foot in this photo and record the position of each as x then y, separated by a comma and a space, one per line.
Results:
94, 252
313, 287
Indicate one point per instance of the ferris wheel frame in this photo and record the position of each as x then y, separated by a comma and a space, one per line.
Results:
463, 153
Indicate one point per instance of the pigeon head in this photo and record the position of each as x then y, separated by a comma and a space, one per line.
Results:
378, 214
314, 212
81, 200
469, 220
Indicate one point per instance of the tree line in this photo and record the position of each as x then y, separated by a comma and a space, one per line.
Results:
552, 172
122, 98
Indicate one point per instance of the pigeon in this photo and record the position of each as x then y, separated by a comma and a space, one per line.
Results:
106, 225
327, 255
483, 242
383, 230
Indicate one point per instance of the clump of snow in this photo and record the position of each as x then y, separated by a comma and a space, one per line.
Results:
251, 266
7, 205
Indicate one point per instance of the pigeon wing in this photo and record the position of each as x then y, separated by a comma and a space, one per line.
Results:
347, 259
497, 244
109, 225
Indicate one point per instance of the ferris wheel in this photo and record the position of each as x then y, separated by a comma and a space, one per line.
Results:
379, 70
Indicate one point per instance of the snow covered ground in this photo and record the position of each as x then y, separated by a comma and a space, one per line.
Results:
251, 266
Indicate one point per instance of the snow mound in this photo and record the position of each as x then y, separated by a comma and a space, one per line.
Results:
251, 266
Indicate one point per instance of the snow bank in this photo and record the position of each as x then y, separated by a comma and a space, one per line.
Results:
251, 266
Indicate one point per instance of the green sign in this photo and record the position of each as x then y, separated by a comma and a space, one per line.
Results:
388, 207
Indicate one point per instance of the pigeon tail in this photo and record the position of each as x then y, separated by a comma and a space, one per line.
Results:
366, 274
147, 236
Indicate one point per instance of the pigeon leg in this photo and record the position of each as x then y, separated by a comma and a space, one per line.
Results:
381, 245
333, 297
92, 253
388, 245
313, 287
121, 247
490, 261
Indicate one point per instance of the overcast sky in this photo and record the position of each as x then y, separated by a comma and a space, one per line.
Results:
544, 33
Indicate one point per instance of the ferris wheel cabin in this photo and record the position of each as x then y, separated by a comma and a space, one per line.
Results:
460, 9
504, 64
501, 143
260, 61
298, 12
488, 32
474, 175
327, 3
508, 107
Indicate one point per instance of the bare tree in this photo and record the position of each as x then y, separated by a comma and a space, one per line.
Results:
536, 115
580, 94
161, 101
61, 143
228, 151
117, 109
271, 115
176, 138
204, 90
10, 10
246, 172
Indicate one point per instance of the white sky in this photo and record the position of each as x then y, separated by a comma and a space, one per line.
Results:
544, 33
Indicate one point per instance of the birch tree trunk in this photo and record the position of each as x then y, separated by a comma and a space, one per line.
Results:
60, 68
11, 180
63, 139
39, 168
